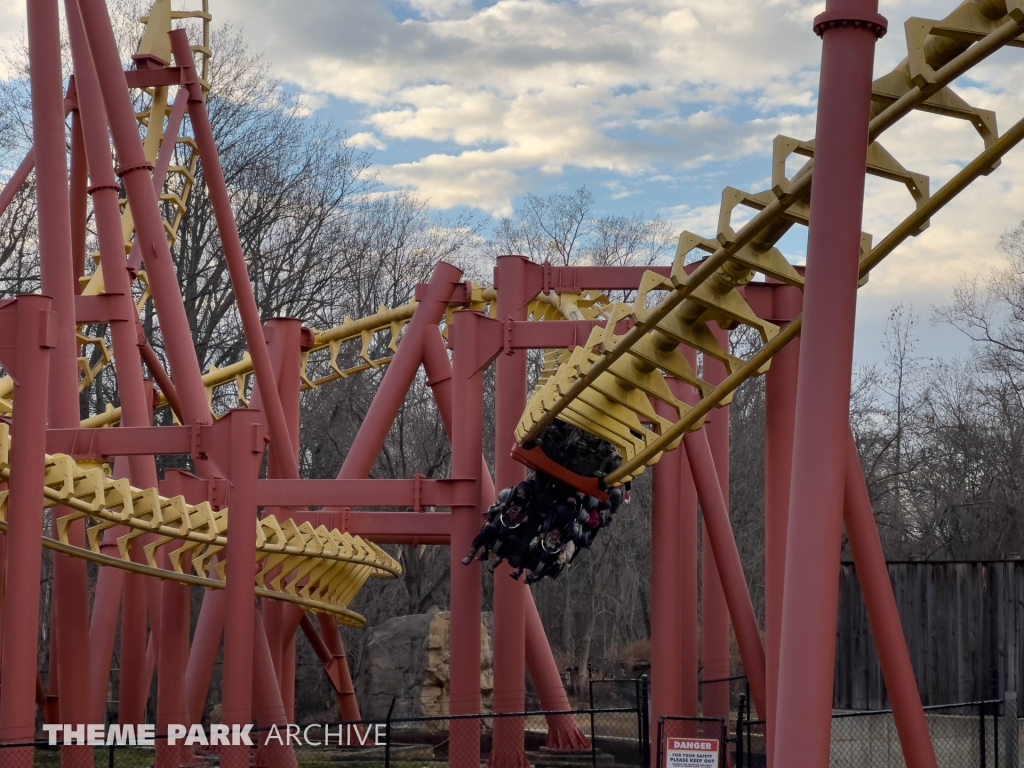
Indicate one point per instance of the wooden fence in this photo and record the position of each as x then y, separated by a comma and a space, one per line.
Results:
964, 623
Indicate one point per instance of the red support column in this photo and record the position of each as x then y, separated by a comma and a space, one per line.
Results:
55, 246
79, 198
272, 633
466, 339
103, 624
172, 659
163, 162
231, 243
438, 368
239, 449
132, 691
3, 591
29, 367
673, 583
807, 648
202, 657
691, 533
715, 650
563, 732
134, 170
690, 649
780, 408
873, 574
135, 398
288, 677
70, 588
667, 563
508, 750
727, 558
268, 707
387, 402
284, 342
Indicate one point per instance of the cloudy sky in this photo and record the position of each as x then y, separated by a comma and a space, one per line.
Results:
654, 106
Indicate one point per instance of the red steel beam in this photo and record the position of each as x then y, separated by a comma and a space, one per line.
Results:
714, 626
509, 693
284, 343
245, 300
400, 527
24, 350
445, 492
667, 582
70, 585
884, 616
565, 334
239, 450
268, 706
79, 199
727, 559
134, 170
780, 408
388, 400
673, 581
563, 732
202, 658
468, 340
17, 181
172, 653
135, 398
849, 29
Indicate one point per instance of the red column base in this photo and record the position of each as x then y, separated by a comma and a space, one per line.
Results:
564, 735
507, 745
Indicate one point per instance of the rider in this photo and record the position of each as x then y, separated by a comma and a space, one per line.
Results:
508, 513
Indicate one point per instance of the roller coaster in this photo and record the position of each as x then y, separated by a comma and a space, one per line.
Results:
653, 379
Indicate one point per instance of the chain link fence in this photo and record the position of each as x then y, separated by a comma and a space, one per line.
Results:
617, 691
980, 734
750, 744
603, 737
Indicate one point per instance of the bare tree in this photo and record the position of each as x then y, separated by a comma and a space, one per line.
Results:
562, 229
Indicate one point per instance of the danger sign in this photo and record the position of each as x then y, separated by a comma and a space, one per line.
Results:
692, 753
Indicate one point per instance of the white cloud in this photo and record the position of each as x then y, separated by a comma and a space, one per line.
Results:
475, 106
536, 86
12, 22
441, 9
308, 103
366, 139
702, 220
470, 178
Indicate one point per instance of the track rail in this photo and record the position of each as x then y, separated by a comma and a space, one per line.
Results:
607, 386
317, 568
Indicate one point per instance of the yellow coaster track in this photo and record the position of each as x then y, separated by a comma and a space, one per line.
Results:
607, 387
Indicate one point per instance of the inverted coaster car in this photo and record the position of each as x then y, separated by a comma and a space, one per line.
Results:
541, 524
577, 458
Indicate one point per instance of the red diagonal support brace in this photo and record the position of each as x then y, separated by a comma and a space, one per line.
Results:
893, 655
727, 558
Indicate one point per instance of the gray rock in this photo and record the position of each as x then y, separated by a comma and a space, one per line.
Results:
406, 658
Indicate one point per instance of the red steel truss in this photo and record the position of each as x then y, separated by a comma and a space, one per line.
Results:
814, 481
